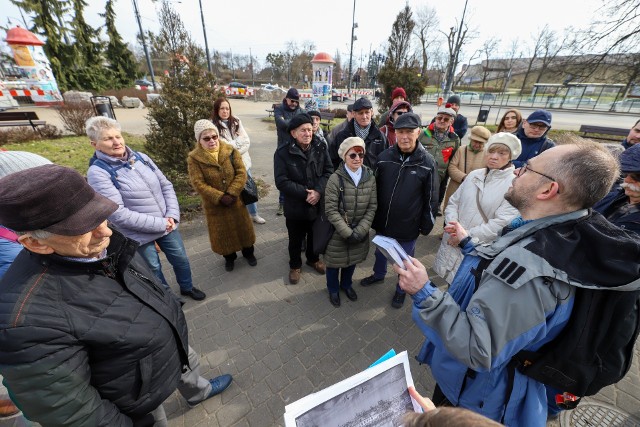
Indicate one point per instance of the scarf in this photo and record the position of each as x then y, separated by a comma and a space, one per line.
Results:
361, 132
213, 152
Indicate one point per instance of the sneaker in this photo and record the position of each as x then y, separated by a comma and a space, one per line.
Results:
370, 280
218, 385
398, 300
258, 219
280, 210
194, 293
317, 266
294, 276
252, 260
228, 264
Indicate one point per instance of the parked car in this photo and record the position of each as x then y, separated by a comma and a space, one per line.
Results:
146, 84
487, 97
626, 105
469, 96
271, 88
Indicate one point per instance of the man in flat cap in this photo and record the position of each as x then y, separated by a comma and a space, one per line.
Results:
363, 127
88, 336
407, 213
302, 169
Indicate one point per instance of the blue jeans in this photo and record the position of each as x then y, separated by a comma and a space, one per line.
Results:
346, 278
173, 248
253, 207
380, 265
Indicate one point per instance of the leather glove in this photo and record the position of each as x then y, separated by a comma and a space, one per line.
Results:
354, 238
227, 199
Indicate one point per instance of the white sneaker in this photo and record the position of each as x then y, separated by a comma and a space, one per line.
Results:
258, 219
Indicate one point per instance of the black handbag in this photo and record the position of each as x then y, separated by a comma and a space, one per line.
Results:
322, 229
249, 193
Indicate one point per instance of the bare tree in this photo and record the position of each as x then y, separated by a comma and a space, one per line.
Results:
552, 46
487, 50
534, 52
466, 67
426, 21
456, 38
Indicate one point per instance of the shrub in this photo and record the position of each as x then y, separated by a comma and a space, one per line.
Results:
406, 78
22, 134
74, 115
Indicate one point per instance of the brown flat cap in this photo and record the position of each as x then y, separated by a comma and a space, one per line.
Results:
51, 198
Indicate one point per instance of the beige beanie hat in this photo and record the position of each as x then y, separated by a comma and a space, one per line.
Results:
201, 126
349, 143
480, 133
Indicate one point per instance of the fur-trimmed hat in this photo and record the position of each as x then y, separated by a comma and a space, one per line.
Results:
348, 144
454, 99
508, 139
201, 126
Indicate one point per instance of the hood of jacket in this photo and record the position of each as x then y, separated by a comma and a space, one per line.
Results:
586, 246
394, 107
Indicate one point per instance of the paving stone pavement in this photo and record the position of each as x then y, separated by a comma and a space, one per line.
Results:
282, 342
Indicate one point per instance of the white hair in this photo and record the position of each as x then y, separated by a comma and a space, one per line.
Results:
36, 234
95, 125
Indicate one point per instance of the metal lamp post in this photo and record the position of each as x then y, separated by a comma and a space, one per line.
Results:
353, 38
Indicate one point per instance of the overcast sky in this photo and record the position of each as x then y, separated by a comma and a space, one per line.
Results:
266, 26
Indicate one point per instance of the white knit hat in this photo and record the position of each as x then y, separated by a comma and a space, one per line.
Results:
201, 126
348, 144
16, 161
508, 139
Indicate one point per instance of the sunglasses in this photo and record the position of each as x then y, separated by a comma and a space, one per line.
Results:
293, 101
443, 119
210, 138
352, 156
633, 176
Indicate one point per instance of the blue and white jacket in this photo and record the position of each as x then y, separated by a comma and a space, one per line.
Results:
522, 302
145, 198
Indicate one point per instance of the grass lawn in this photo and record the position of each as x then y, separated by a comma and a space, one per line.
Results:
75, 152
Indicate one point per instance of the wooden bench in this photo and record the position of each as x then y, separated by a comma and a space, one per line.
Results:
271, 111
20, 118
325, 120
588, 130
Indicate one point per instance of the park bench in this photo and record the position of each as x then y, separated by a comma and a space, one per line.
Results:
20, 118
325, 120
602, 132
271, 111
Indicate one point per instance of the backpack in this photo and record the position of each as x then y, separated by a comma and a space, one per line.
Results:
595, 349
113, 170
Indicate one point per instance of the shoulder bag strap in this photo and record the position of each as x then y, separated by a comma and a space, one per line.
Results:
484, 216
466, 149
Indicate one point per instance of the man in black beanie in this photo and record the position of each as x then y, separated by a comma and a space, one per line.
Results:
302, 168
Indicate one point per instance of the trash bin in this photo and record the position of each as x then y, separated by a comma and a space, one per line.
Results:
103, 107
483, 114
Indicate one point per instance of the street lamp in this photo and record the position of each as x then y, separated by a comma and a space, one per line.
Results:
144, 45
354, 25
206, 45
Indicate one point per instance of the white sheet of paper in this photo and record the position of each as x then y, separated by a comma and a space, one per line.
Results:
391, 249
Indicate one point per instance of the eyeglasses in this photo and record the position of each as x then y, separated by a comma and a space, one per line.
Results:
443, 119
527, 167
399, 113
293, 101
352, 156
633, 176
210, 138
538, 126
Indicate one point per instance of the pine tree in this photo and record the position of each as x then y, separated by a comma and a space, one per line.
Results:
87, 52
121, 61
187, 94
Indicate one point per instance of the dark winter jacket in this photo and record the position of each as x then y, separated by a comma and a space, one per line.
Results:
407, 193
531, 147
360, 205
89, 344
283, 116
616, 208
296, 172
387, 129
460, 125
375, 143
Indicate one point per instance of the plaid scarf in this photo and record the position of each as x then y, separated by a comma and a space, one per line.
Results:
361, 132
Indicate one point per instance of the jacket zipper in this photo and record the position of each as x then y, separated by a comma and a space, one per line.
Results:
147, 280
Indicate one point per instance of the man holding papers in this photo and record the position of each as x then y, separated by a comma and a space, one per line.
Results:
407, 183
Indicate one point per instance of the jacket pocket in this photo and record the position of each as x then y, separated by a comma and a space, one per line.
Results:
145, 366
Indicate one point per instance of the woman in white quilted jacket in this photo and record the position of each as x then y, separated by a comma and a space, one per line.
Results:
479, 204
231, 129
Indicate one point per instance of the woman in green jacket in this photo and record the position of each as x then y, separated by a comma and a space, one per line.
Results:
350, 205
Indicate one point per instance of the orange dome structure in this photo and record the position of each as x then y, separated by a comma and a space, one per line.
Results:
21, 36
322, 58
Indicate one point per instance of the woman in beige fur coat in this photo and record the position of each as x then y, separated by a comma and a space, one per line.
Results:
217, 173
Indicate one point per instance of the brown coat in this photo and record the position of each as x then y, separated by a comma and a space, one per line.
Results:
463, 162
230, 228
